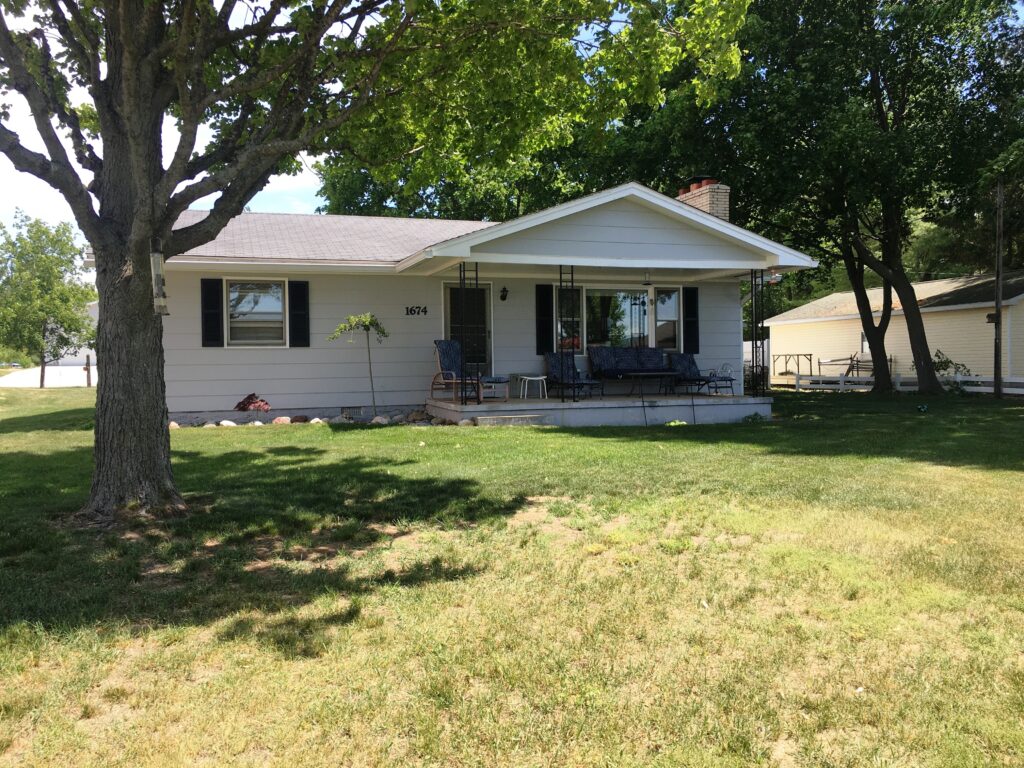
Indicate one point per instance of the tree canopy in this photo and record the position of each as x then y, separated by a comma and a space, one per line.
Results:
852, 125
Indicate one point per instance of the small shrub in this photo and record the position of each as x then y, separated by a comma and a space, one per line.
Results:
754, 418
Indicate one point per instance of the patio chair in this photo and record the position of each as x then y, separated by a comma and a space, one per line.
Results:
688, 375
449, 363
564, 375
721, 378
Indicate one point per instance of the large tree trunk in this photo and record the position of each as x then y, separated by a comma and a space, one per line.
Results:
873, 333
132, 442
924, 365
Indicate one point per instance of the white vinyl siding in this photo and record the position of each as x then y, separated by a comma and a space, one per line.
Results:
623, 230
334, 374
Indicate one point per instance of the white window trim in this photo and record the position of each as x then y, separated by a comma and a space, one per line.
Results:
652, 323
284, 309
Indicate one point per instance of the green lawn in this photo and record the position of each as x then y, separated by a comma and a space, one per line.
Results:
841, 587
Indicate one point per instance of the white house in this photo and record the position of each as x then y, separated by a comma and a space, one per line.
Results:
251, 311
823, 335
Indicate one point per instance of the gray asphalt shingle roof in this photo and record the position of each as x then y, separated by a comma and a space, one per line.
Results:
325, 238
949, 292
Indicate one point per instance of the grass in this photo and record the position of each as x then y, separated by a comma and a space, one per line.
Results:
841, 587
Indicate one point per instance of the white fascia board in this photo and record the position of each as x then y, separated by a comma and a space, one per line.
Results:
613, 263
461, 247
199, 264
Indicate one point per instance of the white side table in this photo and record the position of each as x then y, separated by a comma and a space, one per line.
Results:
524, 385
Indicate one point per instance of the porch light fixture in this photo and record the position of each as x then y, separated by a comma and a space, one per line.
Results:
156, 267
504, 293
647, 278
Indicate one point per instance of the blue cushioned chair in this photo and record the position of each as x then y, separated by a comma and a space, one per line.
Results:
564, 375
688, 375
449, 363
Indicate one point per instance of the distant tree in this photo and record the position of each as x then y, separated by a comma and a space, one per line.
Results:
250, 85
42, 297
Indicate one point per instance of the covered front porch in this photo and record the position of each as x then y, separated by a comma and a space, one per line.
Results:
623, 270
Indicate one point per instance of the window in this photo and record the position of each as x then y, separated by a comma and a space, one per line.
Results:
666, 318
568, 320
616, 318
256, 313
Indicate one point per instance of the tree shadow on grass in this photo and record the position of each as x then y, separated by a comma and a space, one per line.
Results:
270, 541
951, 431
69, 419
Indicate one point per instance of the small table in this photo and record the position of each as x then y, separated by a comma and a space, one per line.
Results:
524, 380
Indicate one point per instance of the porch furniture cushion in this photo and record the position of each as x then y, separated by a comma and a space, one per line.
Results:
449, 363
563, 374
651, 359
622, 362
601, 359
686, 370
626, 358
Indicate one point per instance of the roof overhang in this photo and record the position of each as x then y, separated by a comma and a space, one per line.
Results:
757, 252
896, 311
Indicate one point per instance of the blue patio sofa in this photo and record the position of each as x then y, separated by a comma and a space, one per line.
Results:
622, 362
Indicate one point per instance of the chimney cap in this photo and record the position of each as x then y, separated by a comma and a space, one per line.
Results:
700, 179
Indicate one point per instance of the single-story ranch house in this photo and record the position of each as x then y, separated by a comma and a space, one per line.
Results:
823, 336
624, 268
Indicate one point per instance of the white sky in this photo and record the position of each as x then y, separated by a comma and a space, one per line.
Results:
284, 194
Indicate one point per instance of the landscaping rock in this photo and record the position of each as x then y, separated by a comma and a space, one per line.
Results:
419, 416
209, 424
282, 420
256, 423
399, 419
317, 421
226, 423
467, 423
173, 425
380, 420
300, 419
437, 421
342, 419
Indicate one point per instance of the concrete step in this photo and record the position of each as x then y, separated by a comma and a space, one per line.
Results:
518, 420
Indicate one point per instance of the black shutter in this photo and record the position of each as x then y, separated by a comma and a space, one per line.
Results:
298, 313
545, 318
691, 323
211, 292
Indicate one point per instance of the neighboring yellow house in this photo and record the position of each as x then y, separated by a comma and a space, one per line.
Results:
955, 314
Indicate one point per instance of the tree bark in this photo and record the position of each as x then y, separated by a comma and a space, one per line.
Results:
132, 441
874, 334
927, 382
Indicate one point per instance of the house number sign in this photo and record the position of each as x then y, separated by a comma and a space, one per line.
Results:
415, 310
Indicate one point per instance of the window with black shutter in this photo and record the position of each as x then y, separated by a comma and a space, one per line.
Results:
211, 294
298, 313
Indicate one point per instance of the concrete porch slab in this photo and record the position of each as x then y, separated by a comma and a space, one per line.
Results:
607, 412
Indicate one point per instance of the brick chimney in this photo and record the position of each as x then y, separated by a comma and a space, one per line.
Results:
707, 194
